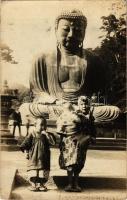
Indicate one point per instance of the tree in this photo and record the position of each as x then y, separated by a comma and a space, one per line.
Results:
112, 51
6, 54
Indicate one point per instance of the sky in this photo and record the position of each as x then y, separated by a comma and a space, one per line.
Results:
27, 27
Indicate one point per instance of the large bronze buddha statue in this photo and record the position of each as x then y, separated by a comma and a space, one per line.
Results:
69, 71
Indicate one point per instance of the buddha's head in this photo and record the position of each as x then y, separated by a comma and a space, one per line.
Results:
70, 29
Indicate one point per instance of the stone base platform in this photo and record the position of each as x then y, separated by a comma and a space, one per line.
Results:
93, 188
102, 178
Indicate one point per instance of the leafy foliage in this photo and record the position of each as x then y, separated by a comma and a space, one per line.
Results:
23, 95
6, 54
112, 51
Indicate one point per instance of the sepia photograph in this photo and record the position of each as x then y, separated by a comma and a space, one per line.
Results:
63, 100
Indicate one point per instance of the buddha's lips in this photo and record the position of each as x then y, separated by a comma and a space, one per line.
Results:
71, 43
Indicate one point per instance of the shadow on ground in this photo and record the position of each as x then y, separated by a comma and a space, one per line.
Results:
93, 182
93, 188
84, 182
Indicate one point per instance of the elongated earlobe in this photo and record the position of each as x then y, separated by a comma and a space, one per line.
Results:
81, 45
58, 45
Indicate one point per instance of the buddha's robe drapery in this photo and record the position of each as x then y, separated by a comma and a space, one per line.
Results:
44, 78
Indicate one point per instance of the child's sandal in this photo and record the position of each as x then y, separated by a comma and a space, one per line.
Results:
33, 188
43, 188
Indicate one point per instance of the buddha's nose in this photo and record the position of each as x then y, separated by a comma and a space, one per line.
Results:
84, 106
71, 32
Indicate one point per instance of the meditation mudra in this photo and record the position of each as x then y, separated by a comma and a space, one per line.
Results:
70, 71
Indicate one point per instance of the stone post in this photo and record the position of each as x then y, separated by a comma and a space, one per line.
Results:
8, 142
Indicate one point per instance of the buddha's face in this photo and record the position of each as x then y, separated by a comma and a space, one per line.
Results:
70, 33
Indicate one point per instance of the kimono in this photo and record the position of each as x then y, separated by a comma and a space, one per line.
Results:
38, 146
75, 130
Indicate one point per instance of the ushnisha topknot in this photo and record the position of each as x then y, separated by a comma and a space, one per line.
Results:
71, 14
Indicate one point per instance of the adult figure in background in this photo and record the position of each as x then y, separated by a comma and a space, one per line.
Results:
76, 129
17, 121
69, 71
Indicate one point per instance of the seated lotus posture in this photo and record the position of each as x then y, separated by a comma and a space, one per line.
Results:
76, 130
38, 144
69, 71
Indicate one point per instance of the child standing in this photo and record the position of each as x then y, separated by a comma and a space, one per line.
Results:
76, 129
38, 144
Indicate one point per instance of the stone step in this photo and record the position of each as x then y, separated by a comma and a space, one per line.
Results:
9, 147
111, 139
7, 182
110, 144
8, 140
107, 147
21, 179
7, 135
93, 188
116, 143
